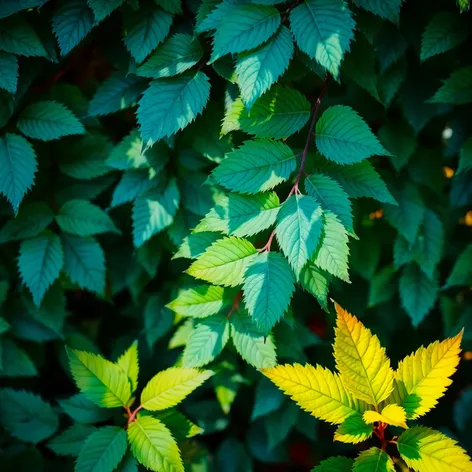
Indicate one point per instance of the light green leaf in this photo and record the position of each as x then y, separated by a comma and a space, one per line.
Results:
199, 302
323, 29
457, 89
129, 364
195, 244
169, 387
465, 156
82, 410
335, 464
353, 430
462, 271
298, 229
388, 9
103, 8
17, 36
8, 71
373, 460
101, 381
71, 440
206, 341
343, 136
224, 262
268, 287
315, 281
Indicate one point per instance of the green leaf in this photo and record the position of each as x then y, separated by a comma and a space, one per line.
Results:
465, 156
400, 139
154, 211
353, 430
101, 381
464, 5
176, 55
259, 69
252, 344
373, 460
169, 387
278, 424
335, 464
153, 445
457, 89
169, 105
332, 256
199, 302
206, 341
103, 450
82, 410
15, 362
432, 239
129, 364
27, 416
8, 72
32, 219
298, 229
84, 262
247, 27
444, 31
388, 9
17, 36
158, 320
8, 7
40, 261
315, 281
343, 136
256, 166
71, 440
279, 113
133, 184
71, 22
172, 6
224, 262
103, 8
83, 218
462, 271
382, 288
242, 215
268, 288
18, 164
331, 196
176, 422
323, 29
145, 29
195, 244
116, 93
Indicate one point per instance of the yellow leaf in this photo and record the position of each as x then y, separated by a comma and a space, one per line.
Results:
392, 414
423, 377
361, 360
317, 390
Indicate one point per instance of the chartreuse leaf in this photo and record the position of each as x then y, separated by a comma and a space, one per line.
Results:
335, 464
102, 8
259, 69
71, 441
424, 450
298, 229
423, 377
170, 104
373, 460
268, 287
8, 72
456, 89
40, 262
224, 262
316, 390
169, 387
199, 302
464, 5
129, 364
252, 344
344, 137
462, 271
47, 120
153, 445
465, 156
323, 29
353, 430
391, 414
242, 215
176, 55
18, 164
82, 410
101, 381
103, 450
388, 9
17, 36
361, 360
315, 281
257, 166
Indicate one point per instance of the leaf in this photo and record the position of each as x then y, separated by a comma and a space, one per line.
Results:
461, 273
268, 287
257, 166
172, 6
71, 440
83, 218
423, 377
8, 7
133, 184
400, 139
391, 414
26, 416
353, 430
298, 229
323, 29
330, 195
17, 36
158, 320
433, 241
170, 104
169, 387
195, 244
456, 89
206, 341
82, 410
129, 364
18, 164
145, 29
103, 450
418, 293
40, 261
84, 262
373, 460
424, 449
154, 211
176, 55
180, 426
14, 361
444, 31
8, 71
103, 8
388, 9
382, 287
153, 445
343, 136
316, 282
465, 156
335, 464
260, 68
361, 360
224, 262
71, 22
199, 302
252, 343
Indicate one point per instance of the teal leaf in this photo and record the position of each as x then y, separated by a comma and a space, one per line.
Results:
71, 440
8, 72
15, 362
382, 287
17, 36
465, 156
461, 273
172, 6
400, 139
103, 8
82, 410
158, 320
195, 244
388, 9
133, 184
8, 7
457, 89
316, 282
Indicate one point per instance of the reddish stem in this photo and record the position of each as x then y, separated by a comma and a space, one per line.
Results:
133, 415
235, 306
